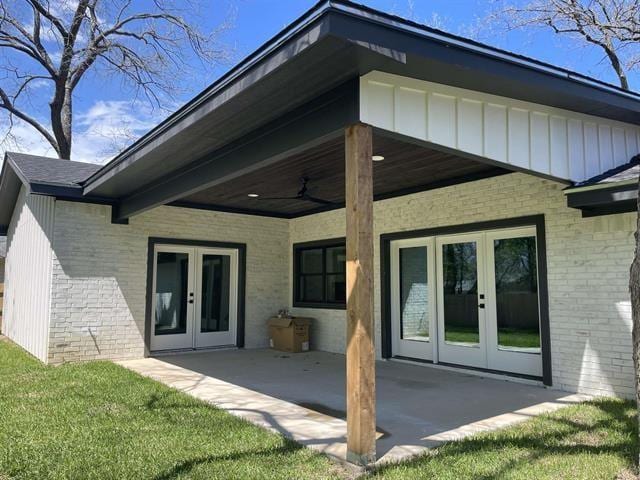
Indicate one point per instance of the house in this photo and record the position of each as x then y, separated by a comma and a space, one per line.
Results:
476, 207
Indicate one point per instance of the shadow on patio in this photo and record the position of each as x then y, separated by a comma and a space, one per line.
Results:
303, 397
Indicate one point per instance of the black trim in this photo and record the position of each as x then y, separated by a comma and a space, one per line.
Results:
299, 247
606, 200
602, 196
536, 221
242, 275
622, 207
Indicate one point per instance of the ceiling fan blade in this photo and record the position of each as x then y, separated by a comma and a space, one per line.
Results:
318, 200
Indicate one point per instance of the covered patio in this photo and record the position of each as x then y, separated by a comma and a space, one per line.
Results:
302, 396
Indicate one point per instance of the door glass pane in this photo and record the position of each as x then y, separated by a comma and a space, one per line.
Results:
517, 293
216, 282
172, 283
460, 284
414, 294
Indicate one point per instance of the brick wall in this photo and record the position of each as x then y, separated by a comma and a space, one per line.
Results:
100, 274
588, 263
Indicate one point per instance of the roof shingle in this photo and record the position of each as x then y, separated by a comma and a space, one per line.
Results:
52, 171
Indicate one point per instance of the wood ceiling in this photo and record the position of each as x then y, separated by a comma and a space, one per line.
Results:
406, 168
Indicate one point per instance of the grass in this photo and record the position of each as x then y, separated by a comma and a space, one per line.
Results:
98, 420
591, 441
507, 337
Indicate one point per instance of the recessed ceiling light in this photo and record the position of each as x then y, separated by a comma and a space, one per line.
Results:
377, 158
253, 195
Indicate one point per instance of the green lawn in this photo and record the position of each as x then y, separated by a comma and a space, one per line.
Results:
98, 420
591, 441
507, 337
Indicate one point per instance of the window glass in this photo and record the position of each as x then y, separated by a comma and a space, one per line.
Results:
336, 259
414, 294
320, 275
460, 286
311, 261
517, 293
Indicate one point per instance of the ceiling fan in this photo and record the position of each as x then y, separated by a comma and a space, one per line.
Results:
301, 195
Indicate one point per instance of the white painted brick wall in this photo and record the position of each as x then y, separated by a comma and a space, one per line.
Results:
99, 270
100, 274
588, 263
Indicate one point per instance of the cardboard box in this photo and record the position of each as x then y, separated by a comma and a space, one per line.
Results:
290, 334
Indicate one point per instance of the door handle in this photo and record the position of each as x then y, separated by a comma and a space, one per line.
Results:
481, 305
191, 300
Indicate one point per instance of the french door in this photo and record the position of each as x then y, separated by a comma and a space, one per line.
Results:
195, 297
413, 305
468, 299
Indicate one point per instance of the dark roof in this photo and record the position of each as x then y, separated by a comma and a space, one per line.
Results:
336, 41
40, 175
630, 171
35, 169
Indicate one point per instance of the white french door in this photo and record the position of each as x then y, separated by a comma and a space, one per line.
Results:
195, 297
413, 300
462, 335
468, 299
513, 336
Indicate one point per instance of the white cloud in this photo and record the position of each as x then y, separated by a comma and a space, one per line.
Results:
99, 132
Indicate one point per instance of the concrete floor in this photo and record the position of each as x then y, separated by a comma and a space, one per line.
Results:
303, 396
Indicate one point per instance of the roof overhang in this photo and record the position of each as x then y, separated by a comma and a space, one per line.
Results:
604, 199
332, 44
12, 179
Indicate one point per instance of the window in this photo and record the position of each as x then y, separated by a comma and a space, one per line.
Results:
319, 274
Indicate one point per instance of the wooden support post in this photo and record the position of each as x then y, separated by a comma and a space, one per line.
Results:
361, 369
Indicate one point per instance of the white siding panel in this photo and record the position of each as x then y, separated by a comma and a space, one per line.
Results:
411, 112
606, 148
495, 132
576, 149
540, 138
519, 137
632, 143
442, 120
380, 107
540, 143
559, 147
28, 266
619, 147
592, 149
470, 126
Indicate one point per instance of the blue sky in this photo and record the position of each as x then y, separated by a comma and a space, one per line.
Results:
106, 118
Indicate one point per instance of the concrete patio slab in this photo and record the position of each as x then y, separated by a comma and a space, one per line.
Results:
302, 396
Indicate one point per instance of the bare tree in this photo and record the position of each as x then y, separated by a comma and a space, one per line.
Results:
60, 41
614, 27
610, 25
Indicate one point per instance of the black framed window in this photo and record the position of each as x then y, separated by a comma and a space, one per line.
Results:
320, 274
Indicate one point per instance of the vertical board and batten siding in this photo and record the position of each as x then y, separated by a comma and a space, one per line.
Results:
28, 265
546, 140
